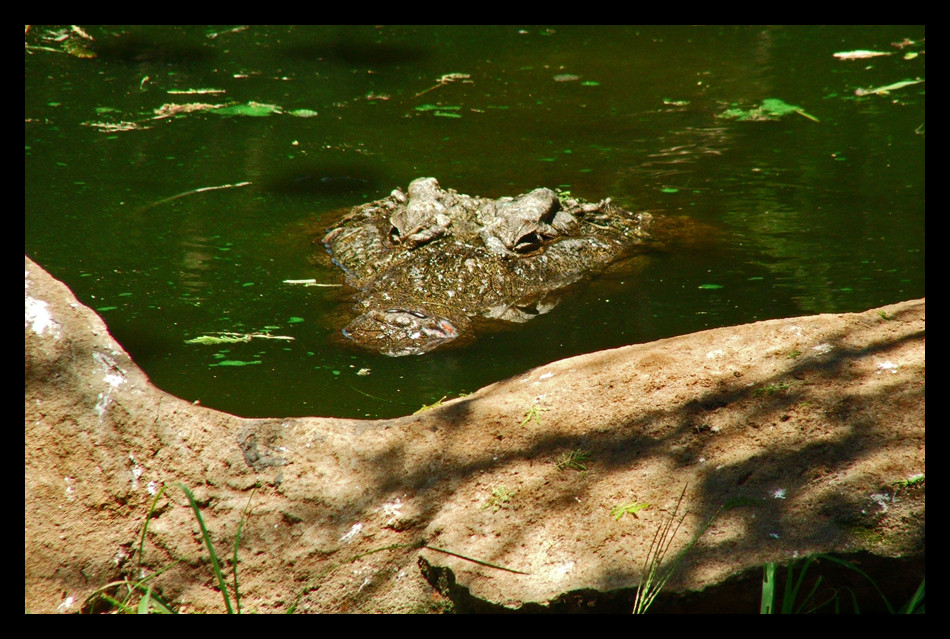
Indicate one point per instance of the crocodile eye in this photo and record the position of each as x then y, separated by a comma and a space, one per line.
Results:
528, 243
407, 311
528, 310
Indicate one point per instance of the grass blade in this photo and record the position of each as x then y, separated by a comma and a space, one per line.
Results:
851, 566
811, 595
475, 561
768, 589
791, 591
144, 601
916, 603
215, 566
237, 540
148, 518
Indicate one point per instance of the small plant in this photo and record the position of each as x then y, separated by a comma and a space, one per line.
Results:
215, 564
434, 404
109, 597
499, 497
793, 354
652, 580
632, 508
769, 389
573, 460
533, 413
149, 601
916, 480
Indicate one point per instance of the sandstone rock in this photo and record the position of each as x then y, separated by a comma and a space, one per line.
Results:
803, 426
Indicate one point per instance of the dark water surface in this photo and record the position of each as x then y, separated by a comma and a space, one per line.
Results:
813, 217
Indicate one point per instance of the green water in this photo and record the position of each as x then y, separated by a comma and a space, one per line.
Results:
811, 217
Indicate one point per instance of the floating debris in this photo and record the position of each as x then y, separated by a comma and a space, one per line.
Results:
859, 54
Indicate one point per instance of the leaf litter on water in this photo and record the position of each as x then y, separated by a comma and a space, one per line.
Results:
886, 89
770, 109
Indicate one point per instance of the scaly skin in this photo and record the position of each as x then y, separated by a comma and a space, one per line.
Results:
427, 263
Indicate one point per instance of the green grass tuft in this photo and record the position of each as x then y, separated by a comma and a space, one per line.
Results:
795, 601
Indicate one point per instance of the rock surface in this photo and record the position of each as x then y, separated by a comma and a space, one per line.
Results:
804, 427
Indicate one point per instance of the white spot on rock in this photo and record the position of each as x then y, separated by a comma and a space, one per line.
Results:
562, 570
352, 533
67, 604
887, 366
39, 319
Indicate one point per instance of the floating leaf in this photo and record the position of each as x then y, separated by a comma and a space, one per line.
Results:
449, 77
435, 107
442, 111
235, 362
233, 338
859, 54
884, 90
195, 91
223, 339
770, 109
78, 49
445, 79
778, 107
252, 109
169, 110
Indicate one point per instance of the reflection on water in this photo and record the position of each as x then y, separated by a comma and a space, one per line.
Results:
686, 149
810, 216
195, 262
136, 48
349, 51
328, 179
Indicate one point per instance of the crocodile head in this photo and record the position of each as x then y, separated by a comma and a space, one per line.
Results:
429, 265
398, 331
